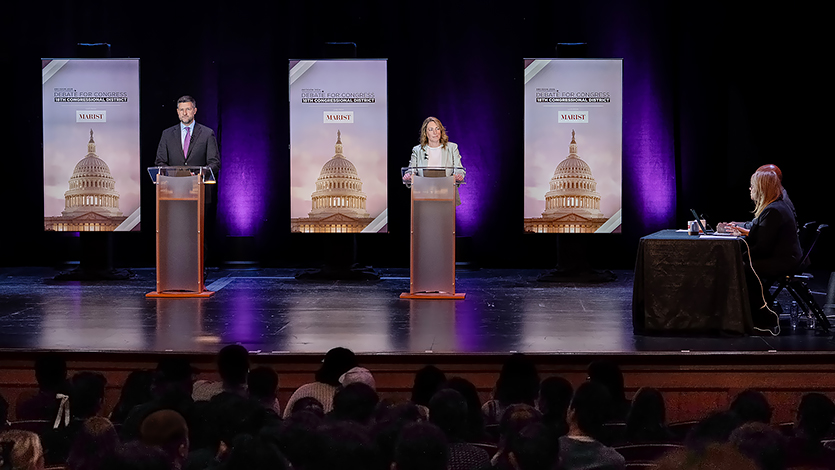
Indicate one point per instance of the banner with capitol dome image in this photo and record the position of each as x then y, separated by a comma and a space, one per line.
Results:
573, 148
338, 146
91, 144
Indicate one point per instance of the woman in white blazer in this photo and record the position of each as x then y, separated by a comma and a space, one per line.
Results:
435, 150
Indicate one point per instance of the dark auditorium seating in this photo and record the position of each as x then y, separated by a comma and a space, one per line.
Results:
490, 448
646, 452
613, 433
37, 426
681, 428
641, 466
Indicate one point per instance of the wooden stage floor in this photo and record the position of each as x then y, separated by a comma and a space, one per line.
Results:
269, 311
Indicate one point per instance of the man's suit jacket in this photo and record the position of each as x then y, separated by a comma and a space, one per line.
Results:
449, 158
202, 150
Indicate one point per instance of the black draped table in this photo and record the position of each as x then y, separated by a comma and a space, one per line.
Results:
690, 284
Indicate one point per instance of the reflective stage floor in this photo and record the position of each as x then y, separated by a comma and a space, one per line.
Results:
268, 310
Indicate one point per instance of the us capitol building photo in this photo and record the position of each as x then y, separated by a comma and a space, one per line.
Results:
572, 205
92, 203
338, 204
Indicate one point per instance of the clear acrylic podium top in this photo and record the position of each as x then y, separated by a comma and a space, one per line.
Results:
179, 171
408, 172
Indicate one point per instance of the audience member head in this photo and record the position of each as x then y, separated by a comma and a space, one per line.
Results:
389, 424
448, 411
262, 383
135, 391
589, 410
51, 372
297, 438
762, 444
533, 448
233, 365
647, 413
168, 430
235, 415
22, 448
404, 411
713, 457
554, 397
514, 419
751, 406
427, 381
337, 361
715, 428
765, 189
358, 375
94, 444
475, 419
203, 427
814, 415
381, 409
355, 402
137, 455
310, 405
254, 453
421, 446
518, 381
608, 374
173, 378
774, 168
87, 395
344, 445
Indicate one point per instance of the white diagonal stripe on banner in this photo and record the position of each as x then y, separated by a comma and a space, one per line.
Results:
534, 68
300, 69
51, 69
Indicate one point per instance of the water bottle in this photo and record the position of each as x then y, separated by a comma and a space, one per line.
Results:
794, 313
810, 321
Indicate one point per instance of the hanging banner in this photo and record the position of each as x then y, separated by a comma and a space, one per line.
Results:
573, 148
91, 144
338, 146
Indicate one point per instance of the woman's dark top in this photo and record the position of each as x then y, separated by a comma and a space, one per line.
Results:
773, 243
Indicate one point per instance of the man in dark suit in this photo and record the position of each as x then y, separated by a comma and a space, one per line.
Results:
200, 149
191, 144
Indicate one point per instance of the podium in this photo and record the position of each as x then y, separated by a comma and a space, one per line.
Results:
181, 193
432, 258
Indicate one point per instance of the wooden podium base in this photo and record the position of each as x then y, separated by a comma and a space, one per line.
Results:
179, 295
433, 296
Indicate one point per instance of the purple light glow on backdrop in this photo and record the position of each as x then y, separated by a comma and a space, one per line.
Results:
245, 173
649, 142
468, 120
649, 160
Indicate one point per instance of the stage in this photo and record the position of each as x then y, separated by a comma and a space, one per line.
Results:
270, 312
111, 327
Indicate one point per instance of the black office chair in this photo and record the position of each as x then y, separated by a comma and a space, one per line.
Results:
796, 284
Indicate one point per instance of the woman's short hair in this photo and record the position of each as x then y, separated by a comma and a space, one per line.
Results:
427, 381
95, 442
518, 381
647, 410
751, 406
26, 450
765, 189
424, 139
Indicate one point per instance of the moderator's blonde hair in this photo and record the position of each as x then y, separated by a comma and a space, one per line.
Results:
765, 189
424, 139
27, 452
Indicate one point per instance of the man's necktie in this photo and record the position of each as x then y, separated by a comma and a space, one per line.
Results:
186, 141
